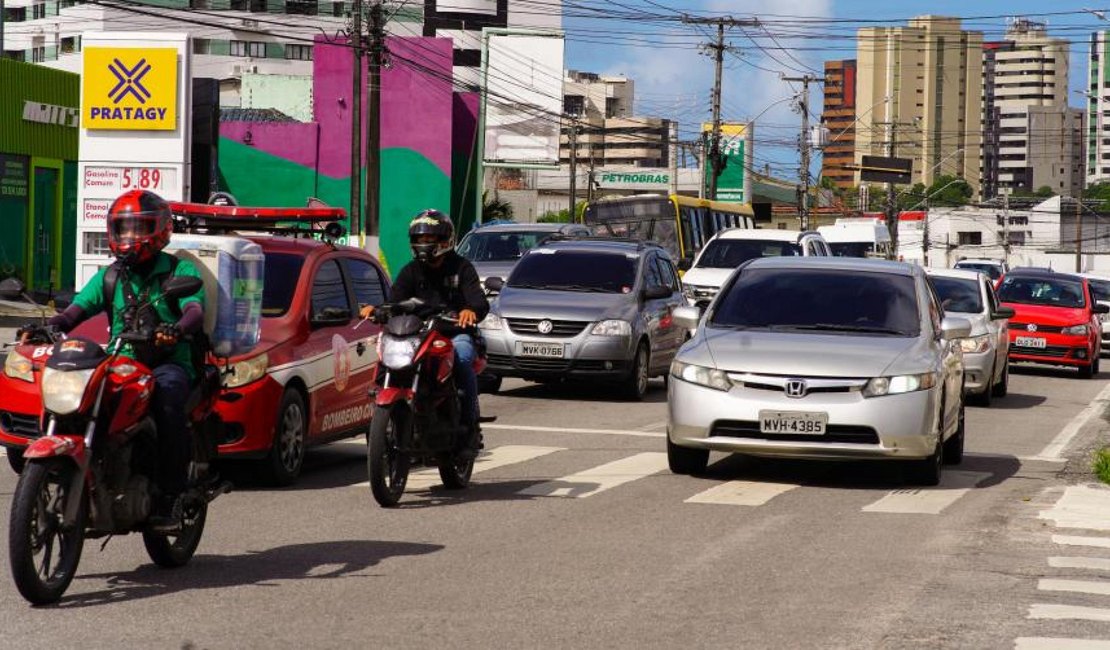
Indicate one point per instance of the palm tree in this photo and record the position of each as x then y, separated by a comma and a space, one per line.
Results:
495, 208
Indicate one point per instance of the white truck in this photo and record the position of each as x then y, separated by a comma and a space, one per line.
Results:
858, 237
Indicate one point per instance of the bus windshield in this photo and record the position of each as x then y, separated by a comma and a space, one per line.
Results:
681, 225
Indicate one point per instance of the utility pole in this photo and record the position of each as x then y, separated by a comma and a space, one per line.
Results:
1006, 228
714, 157
925, 235
373, 121
1079, 235
356, 118
573, 136
803, 145
590, 179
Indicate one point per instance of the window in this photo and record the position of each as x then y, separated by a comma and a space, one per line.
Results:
366, 281
611, 106
958, 294
95, 243
574, 104
970, 238
281, 277
71, 44
575, 271
338, 9
257, 49
731, 253
302, 7
38, 54
38, 11
329, 293
238, 48
667, 273
298, 52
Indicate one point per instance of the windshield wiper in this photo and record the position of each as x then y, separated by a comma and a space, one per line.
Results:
577, 287
833, 327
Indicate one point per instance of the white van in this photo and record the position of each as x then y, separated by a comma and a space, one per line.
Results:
728, 249
858, 237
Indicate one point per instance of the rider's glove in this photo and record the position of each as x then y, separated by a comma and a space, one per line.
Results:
166, 334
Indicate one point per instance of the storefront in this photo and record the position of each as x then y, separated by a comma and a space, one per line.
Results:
38, 175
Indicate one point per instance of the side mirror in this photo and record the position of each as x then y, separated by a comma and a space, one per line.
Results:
331, 317
494, 284
12, 289
687, 317
685, 264
180, 286
657, 292
1101, 308
1003, 313
954, 327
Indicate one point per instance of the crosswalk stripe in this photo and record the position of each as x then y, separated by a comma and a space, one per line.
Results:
601, 478
1079, 540
496, 457
1048, 643
1096, 587
741, 493
1081, 506
929, 501
1096, 563
1068, 612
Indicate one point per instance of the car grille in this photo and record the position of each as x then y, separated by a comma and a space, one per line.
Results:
528, 364
20, 424
833, 433
1059, 351
559, 328
1041, 329
702, 292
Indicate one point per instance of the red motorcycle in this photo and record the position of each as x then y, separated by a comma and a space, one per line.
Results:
417, 406
90, 474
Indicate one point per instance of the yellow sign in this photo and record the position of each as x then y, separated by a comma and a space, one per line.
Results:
129, 88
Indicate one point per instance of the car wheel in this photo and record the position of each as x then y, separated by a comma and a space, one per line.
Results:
1087, 371
684, 460
288, 449
1003, 386
15, 459
489, 384
927, 470
636, 385
1096, 364
954, 446
984, 398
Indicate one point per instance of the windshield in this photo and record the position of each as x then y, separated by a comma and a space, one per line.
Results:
992, 270
851, 248
958, 294
1053, 292
808, 300
282, 271
500, 246
575, 271
731, 253
1101, 289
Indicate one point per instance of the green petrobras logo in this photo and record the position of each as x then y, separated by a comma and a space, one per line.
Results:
635, 177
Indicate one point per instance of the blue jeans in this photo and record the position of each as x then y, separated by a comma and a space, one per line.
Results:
465, 353
175, 450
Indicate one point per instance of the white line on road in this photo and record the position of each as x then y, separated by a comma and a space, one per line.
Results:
1094, 563
611, 432
601, 478
1081, 506
929, 501
1062, 612
741, 493
1096, 587
1056, 448
1077, 540
1048, 643
497, 457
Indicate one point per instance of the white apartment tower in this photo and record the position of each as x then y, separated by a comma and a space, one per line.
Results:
1098, 110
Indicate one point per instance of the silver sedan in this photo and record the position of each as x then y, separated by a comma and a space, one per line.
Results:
832, 358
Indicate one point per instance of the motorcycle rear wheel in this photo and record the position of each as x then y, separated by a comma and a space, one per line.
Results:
387, 466
455, 472
173, 551
37, 528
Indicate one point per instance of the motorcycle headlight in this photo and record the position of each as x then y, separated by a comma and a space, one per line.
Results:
612, 328
1075, 330
247, 371
18, 366
880, 386
700, 375
63, 390
974, 344
398, 353
492, 322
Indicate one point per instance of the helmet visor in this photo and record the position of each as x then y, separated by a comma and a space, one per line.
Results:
133, 228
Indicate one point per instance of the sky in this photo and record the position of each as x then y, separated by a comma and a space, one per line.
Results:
644, 40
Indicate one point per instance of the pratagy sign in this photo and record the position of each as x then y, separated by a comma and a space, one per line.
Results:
132, 89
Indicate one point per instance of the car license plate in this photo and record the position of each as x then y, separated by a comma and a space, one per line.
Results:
786, 422
1030, 342
545, 350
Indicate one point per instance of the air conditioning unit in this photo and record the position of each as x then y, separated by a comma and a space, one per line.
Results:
239, 69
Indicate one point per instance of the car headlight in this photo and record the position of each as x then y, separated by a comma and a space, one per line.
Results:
492, 322
18, 366
973, 344
689, 291
248, 370
700, 375
880, 386
612, 328
398, 353
1075, 330
63, 390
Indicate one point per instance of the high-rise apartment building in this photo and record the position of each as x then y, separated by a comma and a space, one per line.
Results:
1098, 109
1029, 132
919, 96
838, 116
606, 130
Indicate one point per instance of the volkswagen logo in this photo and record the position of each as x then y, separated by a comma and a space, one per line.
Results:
545, 326
1032, 327
795, 388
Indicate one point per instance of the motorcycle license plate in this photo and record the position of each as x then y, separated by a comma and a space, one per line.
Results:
545, 350
792, 422
1030, 342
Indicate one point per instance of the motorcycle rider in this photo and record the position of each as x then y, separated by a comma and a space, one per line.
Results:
139, 227
440, 277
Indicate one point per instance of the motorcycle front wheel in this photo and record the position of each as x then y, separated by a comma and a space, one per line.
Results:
172, 551
387, 465
43, 550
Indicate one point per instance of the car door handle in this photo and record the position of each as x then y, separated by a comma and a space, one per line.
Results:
360, 348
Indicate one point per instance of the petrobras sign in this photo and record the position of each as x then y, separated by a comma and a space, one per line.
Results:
642, 179
129, 89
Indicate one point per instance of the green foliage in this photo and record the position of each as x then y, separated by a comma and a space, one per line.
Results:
563, 216
495, 208
1100, 465
949, 190
912, 199
1045, 192
1101, 192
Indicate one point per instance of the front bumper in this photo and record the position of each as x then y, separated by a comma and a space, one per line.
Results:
585, 356
20, 409
1060, 350
250, 419
893, 426
978, 371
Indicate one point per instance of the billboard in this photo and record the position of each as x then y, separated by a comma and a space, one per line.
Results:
734, 183
131, 89
882, 169
524, 98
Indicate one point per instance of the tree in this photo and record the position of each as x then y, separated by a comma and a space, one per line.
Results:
1044, 192
949, 190
495, 208
912, 199
563, 216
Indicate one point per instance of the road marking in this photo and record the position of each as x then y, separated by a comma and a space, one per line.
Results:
496, 457
1047, 643
601, 478
1095, 563
1056, 448
1096, 587
654, 426
741, 493
1081, 506
611, 432
1024, 459
1062, 612
1077, 540
929, 501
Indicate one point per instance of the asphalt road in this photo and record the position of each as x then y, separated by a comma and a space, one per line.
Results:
575, 535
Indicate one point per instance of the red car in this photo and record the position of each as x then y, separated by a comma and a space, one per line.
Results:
305, 383
1056, 319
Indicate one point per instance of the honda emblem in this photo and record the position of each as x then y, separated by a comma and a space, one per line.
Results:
795, 388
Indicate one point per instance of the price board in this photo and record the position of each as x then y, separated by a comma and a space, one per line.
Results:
113, 181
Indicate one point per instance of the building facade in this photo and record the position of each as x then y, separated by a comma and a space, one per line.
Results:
601, 128
919, 96
1098, 109
838, 116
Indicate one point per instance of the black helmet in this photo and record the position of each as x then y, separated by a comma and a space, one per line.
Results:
436, 224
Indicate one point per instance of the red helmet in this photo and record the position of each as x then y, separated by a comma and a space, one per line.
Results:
139, 226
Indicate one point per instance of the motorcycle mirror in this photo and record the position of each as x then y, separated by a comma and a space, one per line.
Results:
180, 286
